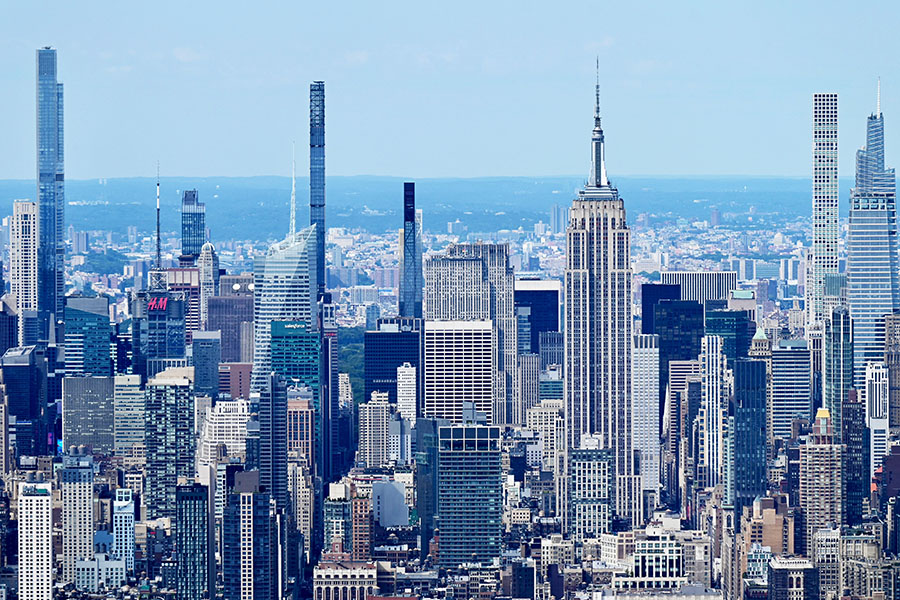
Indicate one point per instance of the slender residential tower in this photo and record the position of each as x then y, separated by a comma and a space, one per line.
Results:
824, 258
411, 281
873, 279
50, 191
598, 333
317, 176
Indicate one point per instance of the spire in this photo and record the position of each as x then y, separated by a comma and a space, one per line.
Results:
878, 100
293, 230
598, 158
158, 246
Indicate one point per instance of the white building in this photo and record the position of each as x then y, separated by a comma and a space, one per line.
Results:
77, 493
128, 413
406, 392
701, 286
100, 573
374, 431
459, 367
877, 414
713, 414
123, 527
224, 424
645, 408
823, 259
546, 419
23, 263
35, 511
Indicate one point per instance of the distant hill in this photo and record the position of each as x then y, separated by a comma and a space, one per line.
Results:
257, 207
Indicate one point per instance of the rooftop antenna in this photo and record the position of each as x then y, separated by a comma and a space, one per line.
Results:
878, 100
293, 190
597, 92
158, 246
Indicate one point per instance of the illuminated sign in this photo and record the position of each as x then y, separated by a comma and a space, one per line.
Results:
157, 303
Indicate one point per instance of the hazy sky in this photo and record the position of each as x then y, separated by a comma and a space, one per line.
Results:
427, 89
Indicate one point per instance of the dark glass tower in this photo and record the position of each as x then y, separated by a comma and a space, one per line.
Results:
679, 325
194, 541
411, 281
651, 295
736, 330
317, 175
838, 364
747, 423
855, 437
542, 298
193, 226
396, 341
273, 440
50, 191
88, 333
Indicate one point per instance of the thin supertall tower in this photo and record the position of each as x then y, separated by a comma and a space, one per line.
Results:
598, 332
824, 257
873, 279
50, 191
411, 281
317, 176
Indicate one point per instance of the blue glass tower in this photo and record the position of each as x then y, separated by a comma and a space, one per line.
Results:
747, 434
194, 542
88, 333
873, 278
411, 278
50, 191
193, 226
317, 175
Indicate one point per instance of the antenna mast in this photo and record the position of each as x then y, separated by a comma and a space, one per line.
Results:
293, 230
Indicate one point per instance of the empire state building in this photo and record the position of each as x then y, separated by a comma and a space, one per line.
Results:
598, 333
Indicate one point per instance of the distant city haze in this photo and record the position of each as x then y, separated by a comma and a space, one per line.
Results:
463, 90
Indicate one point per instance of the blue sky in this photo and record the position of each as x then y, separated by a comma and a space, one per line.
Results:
460, 89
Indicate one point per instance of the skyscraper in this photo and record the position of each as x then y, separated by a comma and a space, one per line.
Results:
821, 479
873, 272
88, 410
598, 329
194, 542
747, 435
459, 367
645, 409
837, 368
411, 278
469, 494
128, 414
590, 488
77, 489
395, 342
23, 262
123, 527
651, 294
877, 414
208, 264
718, 385
680, 325
272, 401
284, 290
206, 354
317, 178
791, 395
50, 191
824, 257
193, 227
87, 337
700, 286
542, 296
856, 458
35, 540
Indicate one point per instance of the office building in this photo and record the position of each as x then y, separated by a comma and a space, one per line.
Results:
700, 286
123, 528
374, 431
679, 325
169, 438
230, 315
193, 227
317, 181
194, 543
599, 325
645, 408
651, 295
542, 297
821, 479
856, 467
208, 267
412, 280
301, 426
23, 262
184, 283
476, 282
407, 393
128, 414
459, 367
747, 435
224, 425
88, 413
792, 579
206, 354
717, 387
837, 368
736, 330
51, 186
23, 372
873, 272
823, 259
791, 392
590, 489
394, 343
892, 361
284, 290
88, 335
234, 379
469, 494
272, 401
157, 329
76, 480
877, 414
35, 510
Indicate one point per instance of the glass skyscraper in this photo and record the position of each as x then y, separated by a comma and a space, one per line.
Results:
873, 279
193, 226
411, 278
50, 190
194, 539
317, 177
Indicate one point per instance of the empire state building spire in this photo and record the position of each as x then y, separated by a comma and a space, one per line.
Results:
597, 177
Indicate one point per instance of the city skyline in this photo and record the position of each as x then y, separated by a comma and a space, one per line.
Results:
664, 85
